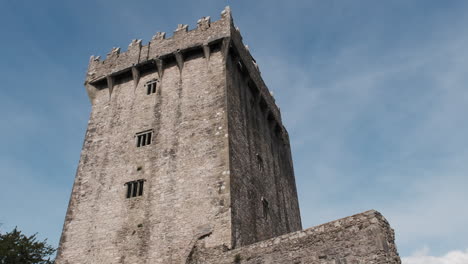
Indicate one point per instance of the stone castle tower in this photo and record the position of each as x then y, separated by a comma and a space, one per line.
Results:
186, 160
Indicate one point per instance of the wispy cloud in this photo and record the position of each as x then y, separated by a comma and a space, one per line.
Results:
423, 257
382, 131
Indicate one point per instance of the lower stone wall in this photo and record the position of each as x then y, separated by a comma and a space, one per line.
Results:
365, 238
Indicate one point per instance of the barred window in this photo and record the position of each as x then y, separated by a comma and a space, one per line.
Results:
151, 87
144, 138
135, 188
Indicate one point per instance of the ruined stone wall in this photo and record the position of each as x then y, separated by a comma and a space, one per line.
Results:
186, 193
364, 238
264, 197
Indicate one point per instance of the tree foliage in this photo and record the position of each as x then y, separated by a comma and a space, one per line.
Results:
17, 248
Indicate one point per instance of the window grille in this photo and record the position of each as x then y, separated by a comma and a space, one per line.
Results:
135, 188
151, 87
144, 138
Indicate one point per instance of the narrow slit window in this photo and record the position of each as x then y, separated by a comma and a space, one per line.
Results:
139, 140
140, 188
151, 87
129, 190
144, 138
148, 138
134, 188
266, 207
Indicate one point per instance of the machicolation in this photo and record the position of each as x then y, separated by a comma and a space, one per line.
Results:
186, 160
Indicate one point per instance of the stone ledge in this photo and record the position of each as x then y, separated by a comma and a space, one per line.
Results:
361, 238
222, 32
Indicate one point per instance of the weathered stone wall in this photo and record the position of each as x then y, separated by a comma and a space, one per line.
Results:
186, 193
264, 197
159, 47
360, 239
218, 173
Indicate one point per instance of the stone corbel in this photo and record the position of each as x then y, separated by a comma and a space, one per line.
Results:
180, 60
207, 52
160, 68
136, 76
110, 84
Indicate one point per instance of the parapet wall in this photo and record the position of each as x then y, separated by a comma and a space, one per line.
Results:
363, 238
208, 37
159, 47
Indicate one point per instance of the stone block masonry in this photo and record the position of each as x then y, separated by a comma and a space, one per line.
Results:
186, 160
364, 238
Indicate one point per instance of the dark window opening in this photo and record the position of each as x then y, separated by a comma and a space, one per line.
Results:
134, 188
151, 87
144, 138
266, 207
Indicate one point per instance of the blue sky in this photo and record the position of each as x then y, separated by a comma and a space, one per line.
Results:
373, 93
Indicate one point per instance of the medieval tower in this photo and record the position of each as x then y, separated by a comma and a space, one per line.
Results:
186, 160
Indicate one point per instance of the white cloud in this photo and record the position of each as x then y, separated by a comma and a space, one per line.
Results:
422, 257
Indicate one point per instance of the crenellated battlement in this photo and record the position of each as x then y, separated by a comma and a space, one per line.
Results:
159, 46
204, 38
204, 23
186, 160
